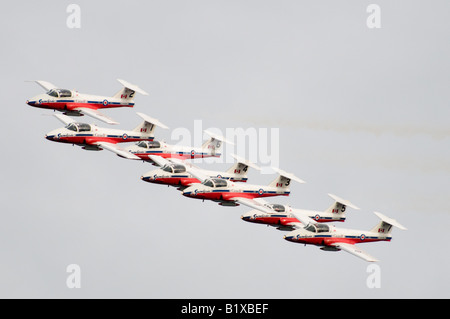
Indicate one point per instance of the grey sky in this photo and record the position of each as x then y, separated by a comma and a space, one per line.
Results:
362, 113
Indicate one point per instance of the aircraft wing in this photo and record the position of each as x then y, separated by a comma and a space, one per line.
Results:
45, 85
96, 114
252, 204
160, 161
197, 173
352, 249
295, 225
116, 149
64, 118
194, 171
303, 218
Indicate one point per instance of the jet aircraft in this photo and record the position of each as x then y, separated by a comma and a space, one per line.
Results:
282, 217
227, 193
175, 173
211, 148
94, 138
72, 103
331, 238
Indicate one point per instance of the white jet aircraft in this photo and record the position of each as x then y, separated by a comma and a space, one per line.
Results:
211, 148
94, 138
77, 104
227, 193
282, 217
175, 173
331, 238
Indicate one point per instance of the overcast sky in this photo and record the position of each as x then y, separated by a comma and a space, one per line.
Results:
361, 113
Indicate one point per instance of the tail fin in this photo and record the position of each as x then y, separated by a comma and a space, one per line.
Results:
385, 225
214, 144
241, 166
339, 206
128, 91
148, 126
284, 179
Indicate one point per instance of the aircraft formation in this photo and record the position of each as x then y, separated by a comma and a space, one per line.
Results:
228, 188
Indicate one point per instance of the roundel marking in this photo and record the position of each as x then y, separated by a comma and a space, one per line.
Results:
261, 191
317, 217
362, 237
219, 176
192, 153
124, 136
105, 102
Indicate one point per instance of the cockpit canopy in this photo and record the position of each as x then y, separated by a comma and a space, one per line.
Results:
174, 168
79, 127
60, 93
277, 207
149, 144
318, 228
215, 182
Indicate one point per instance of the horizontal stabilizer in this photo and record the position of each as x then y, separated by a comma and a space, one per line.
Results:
245, 162
132, 87
343, 201
218, 137
288, 175
152, 120
390, 221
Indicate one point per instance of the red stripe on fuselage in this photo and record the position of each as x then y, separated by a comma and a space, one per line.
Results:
175, 181
229, 195
91, 140
145, 156
273, 220
70, 106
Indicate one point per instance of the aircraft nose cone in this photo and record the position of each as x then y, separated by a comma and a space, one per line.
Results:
187, 193
49, 137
